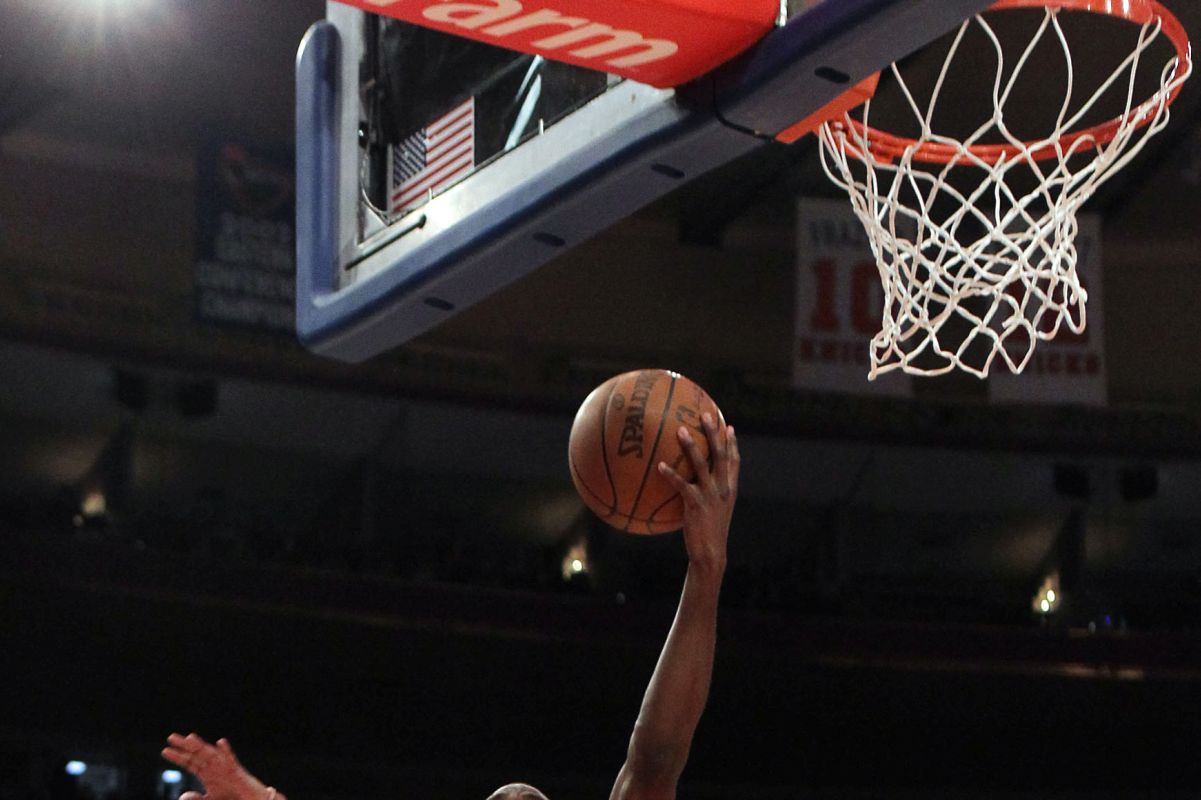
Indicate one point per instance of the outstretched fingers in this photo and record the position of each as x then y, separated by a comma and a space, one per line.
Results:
193, 753
225, 747
700, 465
175, 757
719, 445
690, 494
186, 744
733, 459
718, 474
182, 750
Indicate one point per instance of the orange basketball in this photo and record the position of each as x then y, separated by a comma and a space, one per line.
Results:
623, 429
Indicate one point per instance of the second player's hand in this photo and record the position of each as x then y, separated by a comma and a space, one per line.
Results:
709, 500
217, 767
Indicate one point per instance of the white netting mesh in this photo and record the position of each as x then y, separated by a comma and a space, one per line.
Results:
977, 268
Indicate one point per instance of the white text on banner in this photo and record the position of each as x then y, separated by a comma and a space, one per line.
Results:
839, 304
1069, 369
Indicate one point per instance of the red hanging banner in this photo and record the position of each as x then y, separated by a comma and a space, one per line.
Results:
664, 43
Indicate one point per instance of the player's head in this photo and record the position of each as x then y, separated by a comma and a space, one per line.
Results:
517, 791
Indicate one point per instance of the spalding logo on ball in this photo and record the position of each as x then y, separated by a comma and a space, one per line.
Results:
623, 429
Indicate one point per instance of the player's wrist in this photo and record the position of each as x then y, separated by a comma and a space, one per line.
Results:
709, 566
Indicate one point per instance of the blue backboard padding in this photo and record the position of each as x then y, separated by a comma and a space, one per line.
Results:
316, 172
534, 218
776, 83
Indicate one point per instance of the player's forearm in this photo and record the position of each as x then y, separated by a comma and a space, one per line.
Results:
679, 687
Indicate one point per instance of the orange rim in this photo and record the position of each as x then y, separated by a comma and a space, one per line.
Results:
889, 146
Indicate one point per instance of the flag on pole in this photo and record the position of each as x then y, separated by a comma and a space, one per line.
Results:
433, 158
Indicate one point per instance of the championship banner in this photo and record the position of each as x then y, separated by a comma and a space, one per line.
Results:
660, 42
1069, 369
245, 272
839, 304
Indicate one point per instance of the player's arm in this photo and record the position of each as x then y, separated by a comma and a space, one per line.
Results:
679, 687
217, 767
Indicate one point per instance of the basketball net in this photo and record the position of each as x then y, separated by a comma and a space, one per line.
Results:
974, 268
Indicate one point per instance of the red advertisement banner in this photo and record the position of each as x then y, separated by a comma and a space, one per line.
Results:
663, 43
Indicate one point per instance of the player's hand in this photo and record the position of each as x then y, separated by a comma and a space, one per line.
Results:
217, 767
709, 500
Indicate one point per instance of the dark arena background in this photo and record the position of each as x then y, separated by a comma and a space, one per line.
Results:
378, 581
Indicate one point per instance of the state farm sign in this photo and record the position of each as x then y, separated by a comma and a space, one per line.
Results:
660, 43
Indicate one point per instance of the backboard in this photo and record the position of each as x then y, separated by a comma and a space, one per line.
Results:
434, 169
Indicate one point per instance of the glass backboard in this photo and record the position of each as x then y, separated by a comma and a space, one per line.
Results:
432, 169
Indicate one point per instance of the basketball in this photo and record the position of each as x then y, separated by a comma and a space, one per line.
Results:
623, 429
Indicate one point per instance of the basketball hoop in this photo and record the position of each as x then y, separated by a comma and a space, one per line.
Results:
975, 239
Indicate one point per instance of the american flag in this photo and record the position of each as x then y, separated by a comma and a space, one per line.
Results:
434, 157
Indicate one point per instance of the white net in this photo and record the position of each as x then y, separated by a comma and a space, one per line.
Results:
974, 236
